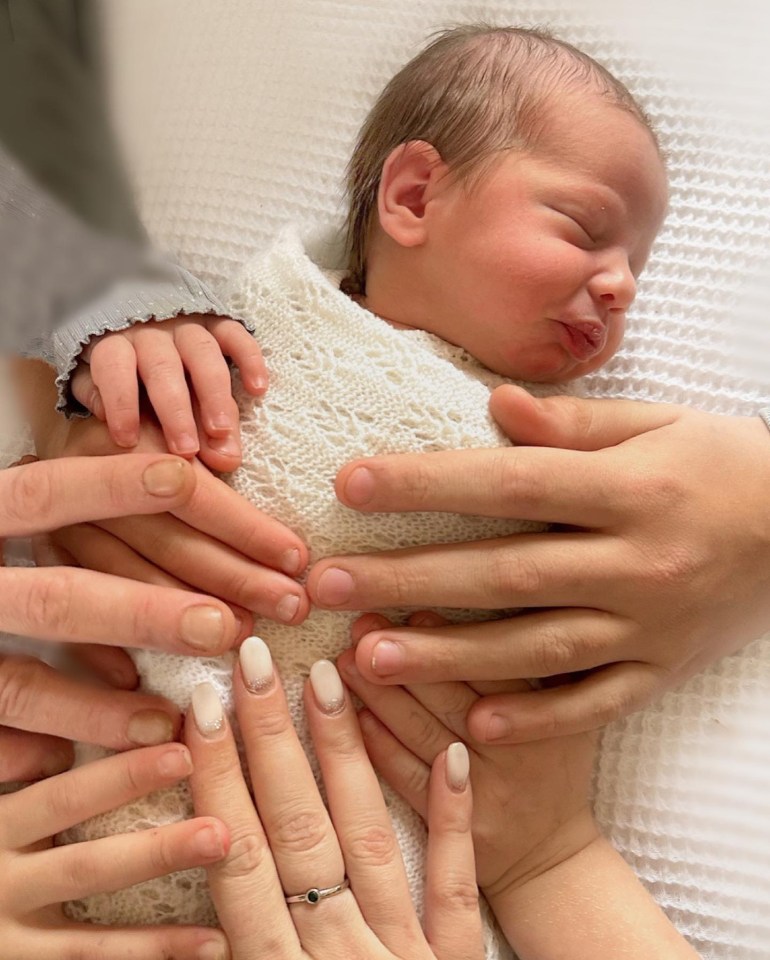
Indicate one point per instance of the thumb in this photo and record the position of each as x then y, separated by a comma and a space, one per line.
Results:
573, 423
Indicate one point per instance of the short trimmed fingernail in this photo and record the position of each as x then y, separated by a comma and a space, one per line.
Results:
359, 487
256, 664
208, 843
286, 608
207, 710
150, 727
290, 562
327, 687
245, 621
334, 587
185, 444
203, 627
220, 421
497, 727
229, 446
458, 767
260, 383
164, 478
387, 658
349, 667
212, 950
175, 763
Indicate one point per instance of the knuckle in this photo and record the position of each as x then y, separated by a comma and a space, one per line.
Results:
373, 845
300, 830
424, 733
32, 492
267, 724
553, 652
416, 780
513, 481
511, 575
247, 854
459, 892
49, 602
676, 566
18, 676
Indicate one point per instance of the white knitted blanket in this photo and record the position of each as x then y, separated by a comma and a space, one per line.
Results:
239, 116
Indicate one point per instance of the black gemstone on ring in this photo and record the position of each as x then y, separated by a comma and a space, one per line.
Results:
313, 896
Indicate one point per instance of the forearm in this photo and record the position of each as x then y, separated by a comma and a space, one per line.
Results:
590, 905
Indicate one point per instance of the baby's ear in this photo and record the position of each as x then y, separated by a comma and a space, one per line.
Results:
408, 174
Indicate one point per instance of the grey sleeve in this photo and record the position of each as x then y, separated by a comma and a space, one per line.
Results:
74, 262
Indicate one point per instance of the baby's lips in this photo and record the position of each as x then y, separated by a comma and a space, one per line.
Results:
584, 338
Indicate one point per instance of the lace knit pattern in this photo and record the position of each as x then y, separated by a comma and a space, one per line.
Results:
223, 156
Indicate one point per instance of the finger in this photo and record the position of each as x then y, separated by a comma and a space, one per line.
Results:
248, 874
361, 819
202, 358
112, 863
572, 422
48, 495
543, 644
110, 664
452, 915
590, 703
529, 569
528, 483
196, 559
80, 606
162, 373
113, 366
399, 767
93, 942
220, 454
85, 391
236, 342
366, 623
39, 699
54, 805
296, 822
32, 756
415, 726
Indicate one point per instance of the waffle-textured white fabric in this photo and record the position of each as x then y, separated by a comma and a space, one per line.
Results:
239, 116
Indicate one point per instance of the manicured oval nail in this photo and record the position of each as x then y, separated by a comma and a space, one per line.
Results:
327, 687
458, 766
256, 665
334, 587
146, 728
359, 487
207, 710
203, 628
164, 478
387, 658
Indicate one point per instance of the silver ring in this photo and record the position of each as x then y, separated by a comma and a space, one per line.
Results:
764, 415
315, 895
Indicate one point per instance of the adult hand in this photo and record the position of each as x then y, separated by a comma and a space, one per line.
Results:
294, 843
215, 541
36, 877
663, 567
81, 606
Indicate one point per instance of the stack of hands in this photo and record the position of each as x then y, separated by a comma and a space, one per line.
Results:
638, 589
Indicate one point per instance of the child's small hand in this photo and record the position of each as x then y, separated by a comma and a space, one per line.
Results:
531, 806
199, 415
35, 878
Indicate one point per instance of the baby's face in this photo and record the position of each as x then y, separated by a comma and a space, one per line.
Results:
533, 268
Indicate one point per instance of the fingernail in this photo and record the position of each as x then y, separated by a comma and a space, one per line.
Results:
150, 727
164, 478
208, 843
359, 488
207, 710
497, 727
220, 421
387, 658
212, 950
256, 665
203, 627
349, 667
335, 586
175, 763
458, 767
228, 446
245, 622
327, 687
290, 562
186, 444
259, 384
286, 609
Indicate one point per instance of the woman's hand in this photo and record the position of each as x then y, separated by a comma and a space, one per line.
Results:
35, 877
290, 843
664, 565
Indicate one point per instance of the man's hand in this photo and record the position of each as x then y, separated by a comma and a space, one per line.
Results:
662, 564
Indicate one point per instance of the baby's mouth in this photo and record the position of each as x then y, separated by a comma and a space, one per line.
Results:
584, 339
